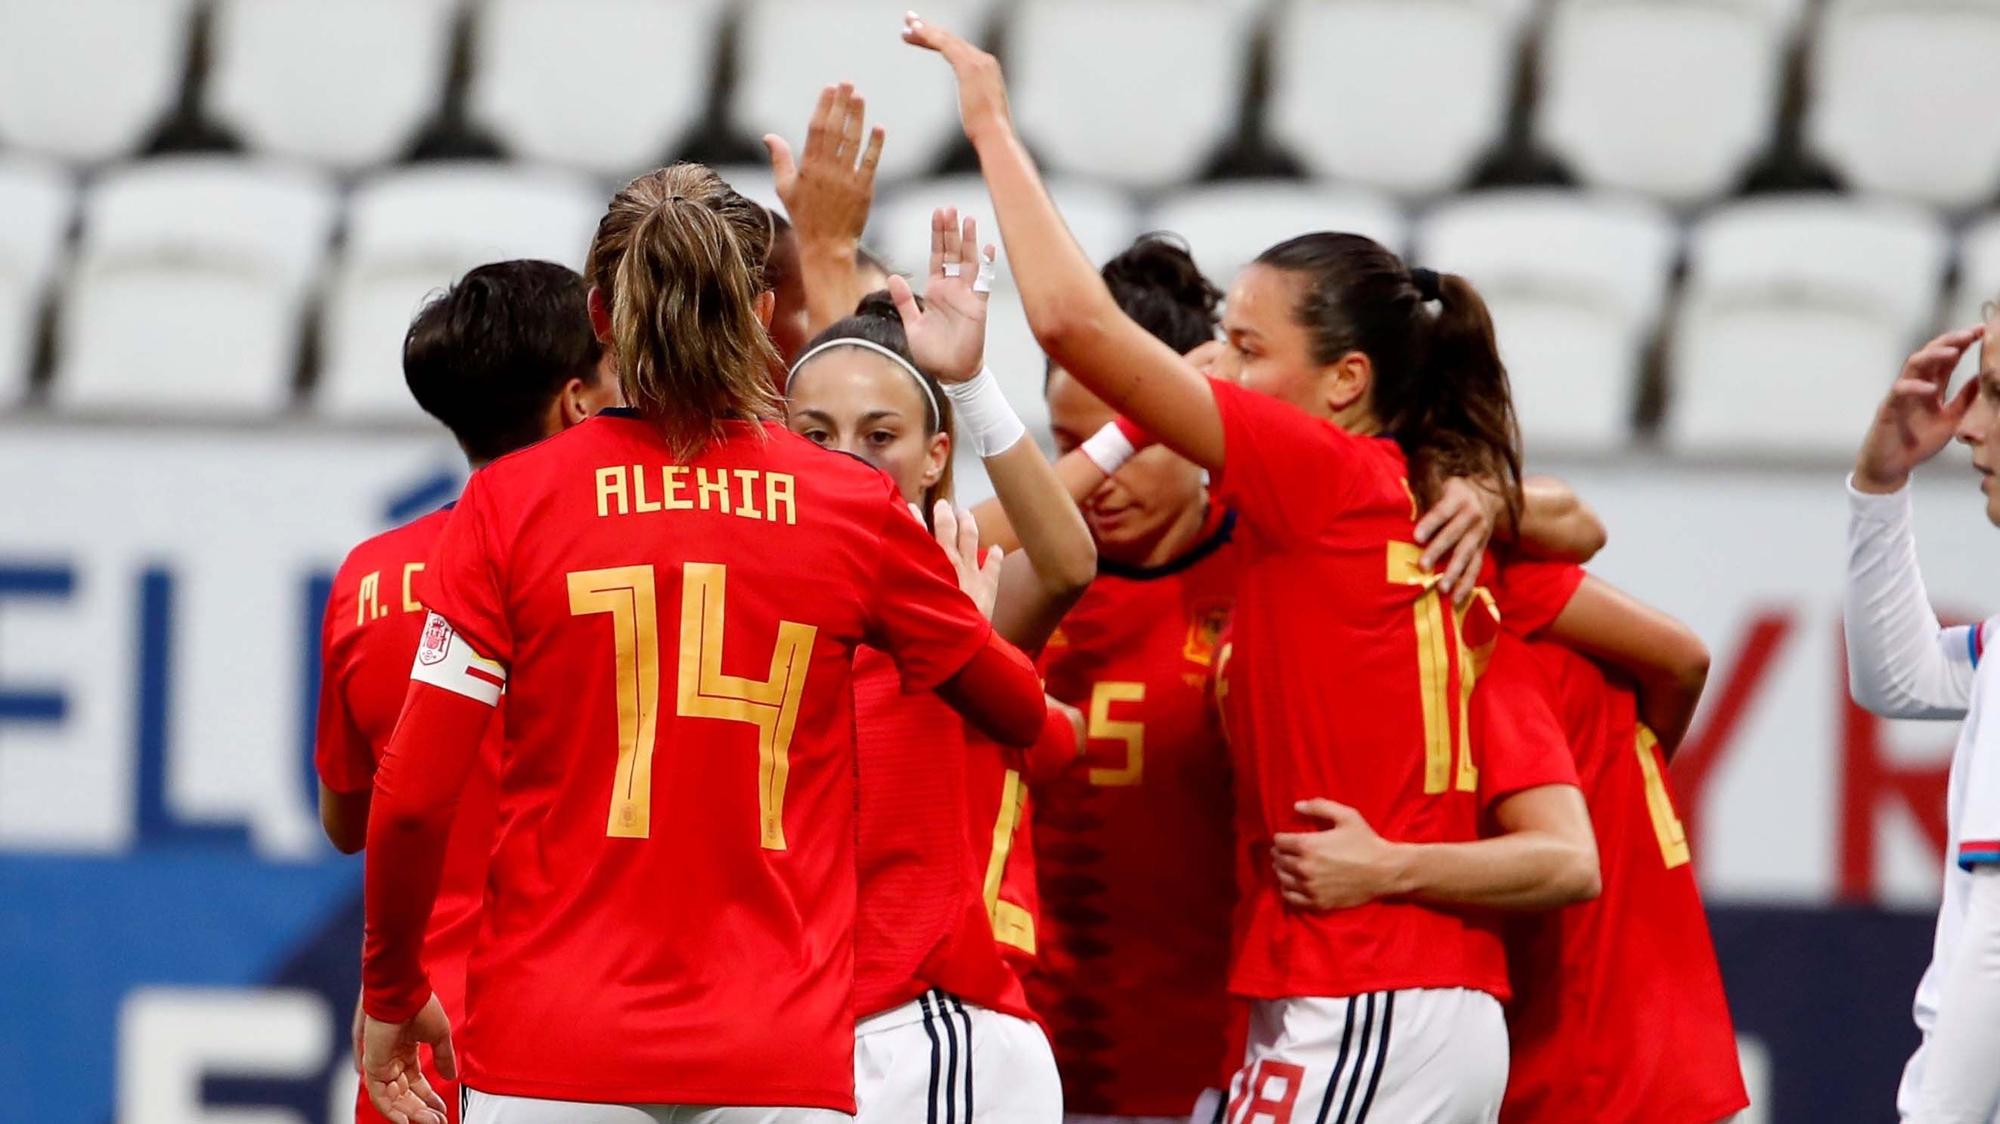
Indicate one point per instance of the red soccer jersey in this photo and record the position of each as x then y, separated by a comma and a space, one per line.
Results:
1620, 1013
931, 802
1133, 843
671, 905
1359, 691
367, 642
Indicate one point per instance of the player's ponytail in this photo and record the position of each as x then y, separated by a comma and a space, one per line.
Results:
1439, 387
677, 260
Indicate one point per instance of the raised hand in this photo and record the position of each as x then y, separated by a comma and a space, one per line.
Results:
828, 191
958, 533
982, 92
1916, 420
391, 1072
948, 334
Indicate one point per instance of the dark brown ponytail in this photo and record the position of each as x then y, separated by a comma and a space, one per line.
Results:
1440, 389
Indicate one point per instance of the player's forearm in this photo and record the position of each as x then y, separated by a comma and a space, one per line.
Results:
1961, 1082
416, 794
1556, 524
1664, 656
1079, 477
999, 691
1529, 870
1045, 517
827, 268
1077, 322
344, 816
1896, 663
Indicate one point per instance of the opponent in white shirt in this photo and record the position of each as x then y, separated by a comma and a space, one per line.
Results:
1903, 664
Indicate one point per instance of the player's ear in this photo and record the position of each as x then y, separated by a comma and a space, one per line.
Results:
600, 316
1346, 381
767, 308
936, 458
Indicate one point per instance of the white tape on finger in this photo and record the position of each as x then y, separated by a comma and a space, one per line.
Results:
953, 269
983, 283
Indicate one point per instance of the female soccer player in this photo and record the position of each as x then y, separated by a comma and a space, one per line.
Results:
947, 901
1359, 679
1903, 664
670, 903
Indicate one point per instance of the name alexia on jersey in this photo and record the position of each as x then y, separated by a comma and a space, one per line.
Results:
643, 489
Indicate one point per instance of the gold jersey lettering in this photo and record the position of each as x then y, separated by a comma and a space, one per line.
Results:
639, 501
676, 478
368, 600
410, 571
718, 487
611, 482
778, 488
746, 506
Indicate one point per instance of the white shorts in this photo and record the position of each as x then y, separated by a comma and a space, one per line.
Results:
489, 1108
1423, 1056
936, 1060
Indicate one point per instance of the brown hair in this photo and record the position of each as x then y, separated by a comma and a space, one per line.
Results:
678, 258
1440, 389
876, 321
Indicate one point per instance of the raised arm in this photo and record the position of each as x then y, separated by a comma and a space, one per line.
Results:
947, 335
1900, 662
827, 194
1071, 311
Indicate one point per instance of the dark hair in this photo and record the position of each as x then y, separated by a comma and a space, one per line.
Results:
1156, 283
678, 256
876, 321
488, 355
1440, 389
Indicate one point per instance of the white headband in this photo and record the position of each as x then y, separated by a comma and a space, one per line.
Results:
923, 384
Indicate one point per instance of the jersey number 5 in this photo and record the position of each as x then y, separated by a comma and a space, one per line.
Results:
626, 594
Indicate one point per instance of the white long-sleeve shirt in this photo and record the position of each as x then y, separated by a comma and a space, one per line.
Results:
1903, 664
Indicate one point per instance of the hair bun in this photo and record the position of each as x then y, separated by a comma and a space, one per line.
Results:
1162, 263
879, 305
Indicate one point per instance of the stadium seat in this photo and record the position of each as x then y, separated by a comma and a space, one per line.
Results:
1101, 218
1576, 285
1978, 273
1797, 314
348, 84
1661, 96
554, 87
1900, 103
411, 233
87, 80
189, 291
1170, 73
788, 50
1399, 95
37, 200
1229, 224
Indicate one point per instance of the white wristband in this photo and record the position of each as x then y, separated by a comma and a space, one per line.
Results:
984, 414
1108, 448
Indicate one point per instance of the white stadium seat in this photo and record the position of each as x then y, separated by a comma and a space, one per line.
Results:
1101, 218
1978, 273
788, 50
412, 233
37, 201
347, 83
189, 291
1576, 284
1798, 312
1401, 95
88, 79
1228, 224
1168, 73
607, 86
1901, 103
1666, 97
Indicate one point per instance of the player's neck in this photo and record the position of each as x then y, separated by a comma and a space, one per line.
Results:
1181, 535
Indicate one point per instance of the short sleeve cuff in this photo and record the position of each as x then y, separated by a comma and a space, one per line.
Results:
1892, 508
1979, 852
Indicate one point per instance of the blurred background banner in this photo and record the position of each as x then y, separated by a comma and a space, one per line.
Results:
1708, 232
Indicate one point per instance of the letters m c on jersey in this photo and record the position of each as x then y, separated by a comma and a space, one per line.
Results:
445, 660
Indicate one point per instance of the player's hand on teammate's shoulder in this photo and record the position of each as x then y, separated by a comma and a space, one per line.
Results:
392, 1072
958, 533
1342, 865
1916, 421
1455, 531
947, 333
982, 90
